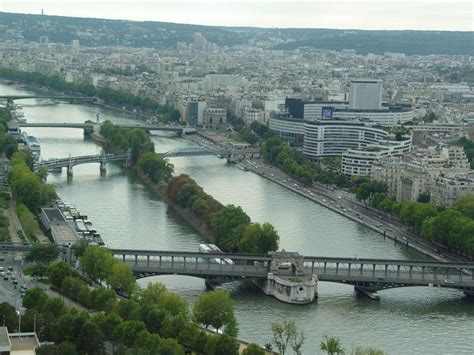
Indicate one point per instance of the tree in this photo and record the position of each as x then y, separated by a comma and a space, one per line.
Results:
258, 239
35, 298
108, 325
80, 247
151, 295
331, 346
287, 333
423, 211
57, 272
214, 308
407, 213
424, 197
97, 262
226, 345
367, 351
465, 205
91, 339
54, 306
128, 331
10, 319
253, 349
157, 168
42, 255
121, 277
226, 220
59, 349
148, 342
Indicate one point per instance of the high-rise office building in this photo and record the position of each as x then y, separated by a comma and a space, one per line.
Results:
366, 94
195, 113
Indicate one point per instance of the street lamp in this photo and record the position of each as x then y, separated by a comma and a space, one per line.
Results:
19, 321
19, 310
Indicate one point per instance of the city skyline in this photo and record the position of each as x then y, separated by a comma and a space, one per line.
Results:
346, 14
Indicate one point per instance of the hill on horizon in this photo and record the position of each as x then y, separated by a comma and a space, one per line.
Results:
151, 34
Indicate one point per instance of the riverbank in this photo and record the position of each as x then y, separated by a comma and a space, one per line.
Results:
42, 90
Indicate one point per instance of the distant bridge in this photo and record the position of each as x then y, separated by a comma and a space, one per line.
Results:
90, 127
52, 97
70, 162
367, 275
103, 159
195, 151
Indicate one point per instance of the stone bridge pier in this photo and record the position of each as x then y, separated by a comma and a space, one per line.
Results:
69, 170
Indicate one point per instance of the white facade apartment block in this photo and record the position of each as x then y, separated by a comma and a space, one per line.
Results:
251, 115
365, 94
446, 190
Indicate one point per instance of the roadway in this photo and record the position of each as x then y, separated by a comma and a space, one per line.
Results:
9, 292
345, 203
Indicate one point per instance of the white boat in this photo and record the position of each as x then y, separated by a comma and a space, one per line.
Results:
33, 145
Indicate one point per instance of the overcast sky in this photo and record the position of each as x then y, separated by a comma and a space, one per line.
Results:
366, 14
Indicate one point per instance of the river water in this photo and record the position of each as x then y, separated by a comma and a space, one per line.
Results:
129, 215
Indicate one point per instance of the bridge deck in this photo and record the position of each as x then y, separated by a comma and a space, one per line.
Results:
369, 273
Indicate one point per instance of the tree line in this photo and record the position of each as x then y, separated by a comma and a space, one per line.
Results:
52, 82
28, 187
230, 226
108, 95
452, 228
142, 150
278, 152
8, 144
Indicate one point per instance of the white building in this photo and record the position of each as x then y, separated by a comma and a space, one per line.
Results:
365, 94
332, 137
214, 81
286, 127
446, 190
251, 115
359, 161
418, 172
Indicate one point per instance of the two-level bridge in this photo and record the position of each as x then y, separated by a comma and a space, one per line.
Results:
366, 275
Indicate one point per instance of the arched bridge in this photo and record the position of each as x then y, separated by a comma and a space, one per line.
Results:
369, 275
69, 162
103, 159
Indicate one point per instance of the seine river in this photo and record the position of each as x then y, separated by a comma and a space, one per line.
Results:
129, 215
